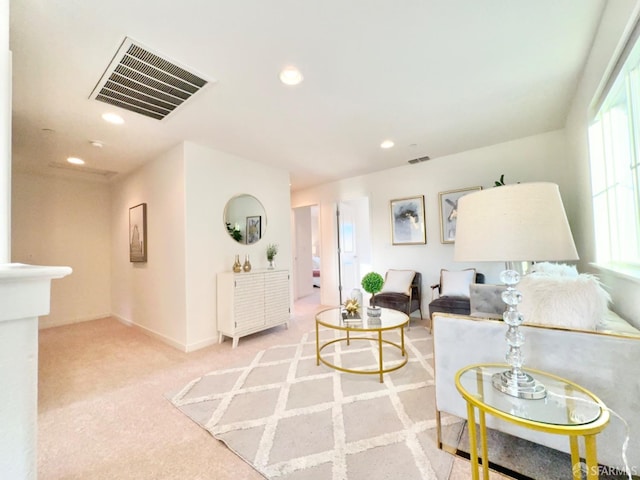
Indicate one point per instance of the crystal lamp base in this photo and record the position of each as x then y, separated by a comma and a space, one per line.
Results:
520, 385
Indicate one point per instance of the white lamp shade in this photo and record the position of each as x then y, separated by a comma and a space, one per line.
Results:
521, 222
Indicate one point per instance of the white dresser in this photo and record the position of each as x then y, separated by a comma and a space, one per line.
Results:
251, 302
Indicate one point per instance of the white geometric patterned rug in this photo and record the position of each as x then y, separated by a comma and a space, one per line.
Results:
291, 419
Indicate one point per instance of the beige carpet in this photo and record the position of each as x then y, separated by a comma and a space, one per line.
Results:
103, 415
291, 419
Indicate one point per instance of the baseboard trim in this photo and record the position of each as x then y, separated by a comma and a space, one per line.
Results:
44, 324
202, 344
151, 333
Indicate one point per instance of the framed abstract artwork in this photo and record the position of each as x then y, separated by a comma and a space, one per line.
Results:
449, 212
138, 233
407, 221
254, 229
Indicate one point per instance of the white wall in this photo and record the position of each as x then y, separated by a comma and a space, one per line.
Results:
618, 19
152, 295
173, 295
537, 158
212, 178
58, 221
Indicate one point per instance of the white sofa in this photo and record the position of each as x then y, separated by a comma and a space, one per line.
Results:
608, 364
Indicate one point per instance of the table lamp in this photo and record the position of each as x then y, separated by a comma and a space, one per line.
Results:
514, 223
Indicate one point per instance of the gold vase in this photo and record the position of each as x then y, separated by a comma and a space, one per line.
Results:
237, 266
247, 264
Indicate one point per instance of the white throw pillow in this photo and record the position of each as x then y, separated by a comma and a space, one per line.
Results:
561, 301
555, 269
398, 281
456, 284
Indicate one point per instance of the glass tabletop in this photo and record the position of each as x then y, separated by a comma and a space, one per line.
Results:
566, 403
336, 318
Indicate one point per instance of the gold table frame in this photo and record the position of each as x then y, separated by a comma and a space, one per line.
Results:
587, 430
366, 327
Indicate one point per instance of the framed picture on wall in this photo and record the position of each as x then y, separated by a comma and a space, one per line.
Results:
449, 212
407, 221
138, 233
254, 229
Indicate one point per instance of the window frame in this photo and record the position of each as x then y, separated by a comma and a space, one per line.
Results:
614, 159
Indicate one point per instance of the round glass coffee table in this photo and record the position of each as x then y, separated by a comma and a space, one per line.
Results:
333, 319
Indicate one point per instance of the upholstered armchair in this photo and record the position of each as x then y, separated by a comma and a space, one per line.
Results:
451, 295
402, 290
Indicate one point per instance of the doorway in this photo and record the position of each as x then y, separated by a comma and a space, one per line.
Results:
354, 244
307, 264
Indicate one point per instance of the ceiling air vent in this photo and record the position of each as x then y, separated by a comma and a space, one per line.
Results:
145, 83
82, 169
418, 160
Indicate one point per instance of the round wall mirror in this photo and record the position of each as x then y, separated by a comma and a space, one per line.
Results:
245, 219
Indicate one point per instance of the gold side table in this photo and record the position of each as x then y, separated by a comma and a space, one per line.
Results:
389, 320
568, 410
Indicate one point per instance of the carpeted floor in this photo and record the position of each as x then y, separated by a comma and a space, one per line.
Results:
291, 419
102, 414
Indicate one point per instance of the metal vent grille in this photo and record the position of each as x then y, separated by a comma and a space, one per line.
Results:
145, 83
420, 159
79, 168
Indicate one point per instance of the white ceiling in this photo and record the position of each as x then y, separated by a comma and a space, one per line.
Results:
436, 76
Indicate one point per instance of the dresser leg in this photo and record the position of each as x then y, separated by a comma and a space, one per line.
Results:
220, 338
235, 342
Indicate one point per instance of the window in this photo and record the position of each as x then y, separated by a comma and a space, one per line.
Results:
614, 143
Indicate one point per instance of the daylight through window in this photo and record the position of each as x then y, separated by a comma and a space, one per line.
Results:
614, 138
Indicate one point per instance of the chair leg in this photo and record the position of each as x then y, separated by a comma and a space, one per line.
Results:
430, 323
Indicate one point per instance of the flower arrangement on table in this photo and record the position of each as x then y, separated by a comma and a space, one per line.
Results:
272, 251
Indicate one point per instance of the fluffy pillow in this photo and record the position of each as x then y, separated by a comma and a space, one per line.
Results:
554, 300
456, 284
398, 281
555, 269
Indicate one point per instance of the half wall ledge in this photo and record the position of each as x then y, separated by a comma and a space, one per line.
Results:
25, 292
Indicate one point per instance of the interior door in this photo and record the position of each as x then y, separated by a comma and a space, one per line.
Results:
303, 256
354, 244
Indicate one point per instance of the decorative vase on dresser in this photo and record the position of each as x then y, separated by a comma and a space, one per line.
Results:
237, 266
252, 302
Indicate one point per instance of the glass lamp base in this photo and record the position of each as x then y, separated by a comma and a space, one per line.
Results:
520, 386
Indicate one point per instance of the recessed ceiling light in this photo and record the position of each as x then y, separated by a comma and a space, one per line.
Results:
291, 76
387, 144
96, 143
112, 118
75, 160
